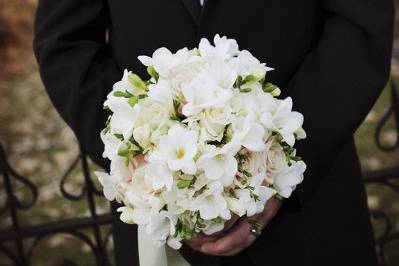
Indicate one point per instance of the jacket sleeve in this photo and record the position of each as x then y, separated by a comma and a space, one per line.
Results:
340, 80
75, 65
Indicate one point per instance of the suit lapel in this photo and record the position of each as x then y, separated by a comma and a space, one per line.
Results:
193, 7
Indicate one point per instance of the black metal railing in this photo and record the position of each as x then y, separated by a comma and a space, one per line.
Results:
12, 243
16, 249
388, 177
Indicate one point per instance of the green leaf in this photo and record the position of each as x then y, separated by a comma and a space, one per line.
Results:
183, 183
238, 82
217, 220
296, 158
118, 136
269, 87
247, 173
137, 82
119, 94
248, 79
245, 90
133, 100
153, 73
124, 152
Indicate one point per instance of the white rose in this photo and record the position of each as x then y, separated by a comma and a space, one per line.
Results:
214, 122
276, 161
202, 93
152, 118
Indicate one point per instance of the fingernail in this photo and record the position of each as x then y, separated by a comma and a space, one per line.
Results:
204, 249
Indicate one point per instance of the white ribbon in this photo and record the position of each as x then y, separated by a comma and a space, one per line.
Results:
151, 255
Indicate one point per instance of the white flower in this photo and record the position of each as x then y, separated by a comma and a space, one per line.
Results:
178, 148
284, 121
161, 92
224, 48
161, 226
158, 176
274, 158
123, 116
108, 183
184, 72
246, 64
213, 122
152, 119
162, 60
286, 180
111, 144
211, 204
202, 93
126, 214
125, 85
220, 164
248, 133
251, 199
222, 73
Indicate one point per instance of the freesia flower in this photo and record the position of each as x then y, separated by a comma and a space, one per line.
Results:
211, 204
286, 180
248, 133
178, 148
224, 48
161, 226
158, 176
284, 121
220, 163
125, 85
162, 60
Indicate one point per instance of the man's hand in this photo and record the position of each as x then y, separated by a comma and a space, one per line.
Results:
240, 236
197, 242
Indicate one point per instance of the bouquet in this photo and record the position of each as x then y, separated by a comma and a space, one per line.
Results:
203, 138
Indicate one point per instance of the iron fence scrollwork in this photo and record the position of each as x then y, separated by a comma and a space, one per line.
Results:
19, 252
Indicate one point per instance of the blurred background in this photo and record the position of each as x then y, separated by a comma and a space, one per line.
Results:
40, 148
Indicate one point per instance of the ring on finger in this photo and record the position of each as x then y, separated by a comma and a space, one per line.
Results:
255, 227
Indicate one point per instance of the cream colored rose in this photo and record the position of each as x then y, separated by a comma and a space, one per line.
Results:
183, 74
275, 159
152, 118
214, 122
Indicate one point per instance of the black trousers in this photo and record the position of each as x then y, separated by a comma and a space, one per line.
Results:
241, 259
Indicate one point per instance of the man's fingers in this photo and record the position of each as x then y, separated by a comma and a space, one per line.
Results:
231, 241
238, 234
199, 240
271, 208
246, 243
230, 223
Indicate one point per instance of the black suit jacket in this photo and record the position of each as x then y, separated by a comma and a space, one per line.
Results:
331, 56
